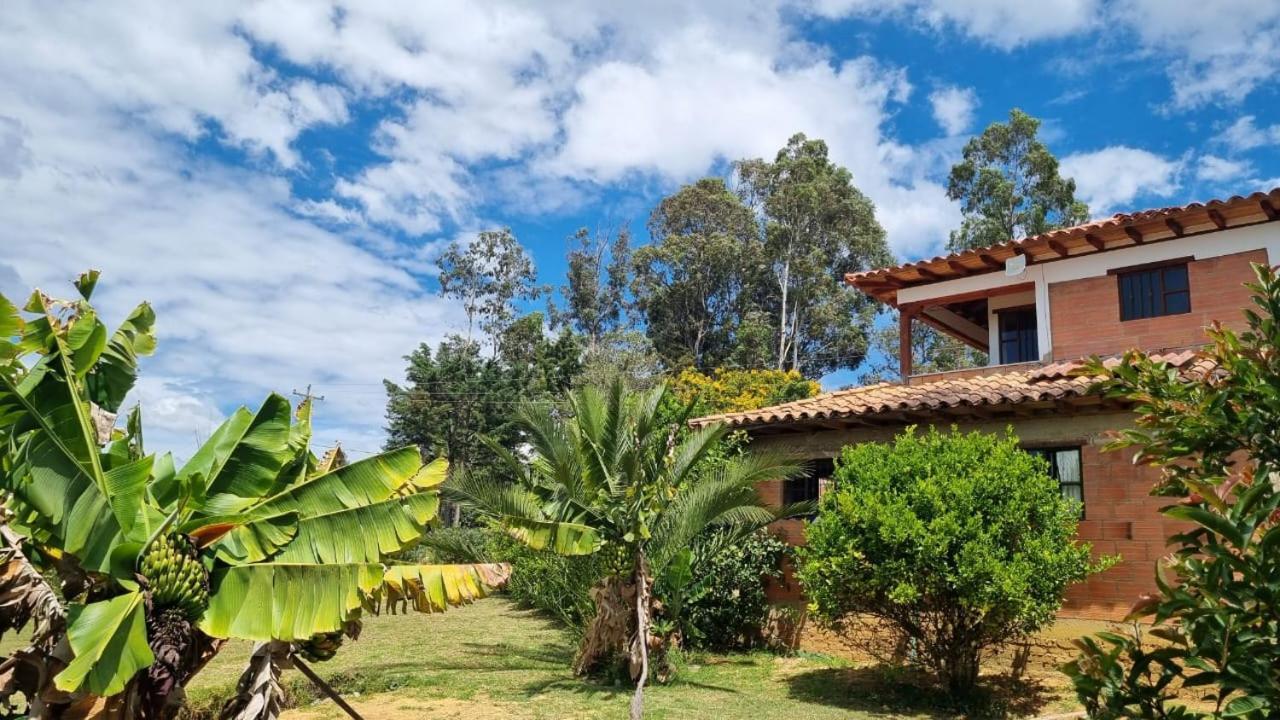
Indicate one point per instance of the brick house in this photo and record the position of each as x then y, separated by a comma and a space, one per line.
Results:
1150, 280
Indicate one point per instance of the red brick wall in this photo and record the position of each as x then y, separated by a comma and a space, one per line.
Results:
1085, 314
1120, 519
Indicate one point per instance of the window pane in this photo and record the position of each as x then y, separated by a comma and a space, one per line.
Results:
1175, 278
1018, 341
1068, 466
1073, 492
1176, 303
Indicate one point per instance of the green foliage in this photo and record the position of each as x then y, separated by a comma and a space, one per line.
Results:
596, 284
817, 226
725, 605
1009, 187
454, 396
726, 390
454, 545
958, 541
610, 479
253, 537
487, 275
559, 585
1212, 431
695, 283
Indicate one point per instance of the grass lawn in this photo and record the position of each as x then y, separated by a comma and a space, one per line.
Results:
495, 660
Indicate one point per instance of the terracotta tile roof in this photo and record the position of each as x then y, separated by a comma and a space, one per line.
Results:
1119, 231
1053, 383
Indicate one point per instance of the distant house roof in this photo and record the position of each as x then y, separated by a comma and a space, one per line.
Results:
1119, 231
1025, 391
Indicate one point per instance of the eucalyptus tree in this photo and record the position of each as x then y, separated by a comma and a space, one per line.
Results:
608, 475
595, 289
488, 275
1009, 186
158, 565
817, 226
695, 283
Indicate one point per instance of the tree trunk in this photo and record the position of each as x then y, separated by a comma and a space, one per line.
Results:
610, 630
785, 283
27, 600
641, 640
961, 672
259, 695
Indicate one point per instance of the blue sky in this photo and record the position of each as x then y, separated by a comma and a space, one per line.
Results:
277, 176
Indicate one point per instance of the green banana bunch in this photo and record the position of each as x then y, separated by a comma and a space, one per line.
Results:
175, 576
321, 646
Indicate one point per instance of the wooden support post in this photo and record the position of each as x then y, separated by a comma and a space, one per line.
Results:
904, 342
325, 688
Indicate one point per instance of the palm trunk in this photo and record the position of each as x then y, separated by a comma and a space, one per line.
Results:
610, 630
642, 634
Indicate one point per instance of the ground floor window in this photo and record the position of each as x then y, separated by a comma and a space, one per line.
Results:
1064, 466
808, 486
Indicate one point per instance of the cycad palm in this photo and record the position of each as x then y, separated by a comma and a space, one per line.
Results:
608, 475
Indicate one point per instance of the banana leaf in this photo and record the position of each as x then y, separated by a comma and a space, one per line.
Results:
109, 642
287, 601
433, 588
364, 534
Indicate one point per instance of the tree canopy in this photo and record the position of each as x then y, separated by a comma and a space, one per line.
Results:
696, 283
1009, 187
817, 226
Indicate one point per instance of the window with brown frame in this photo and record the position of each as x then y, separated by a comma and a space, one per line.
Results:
1154, 291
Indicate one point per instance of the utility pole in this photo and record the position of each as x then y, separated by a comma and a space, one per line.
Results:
307, 396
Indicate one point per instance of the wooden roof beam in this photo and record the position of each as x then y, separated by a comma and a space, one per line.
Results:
1095, 241
1059, 248
1175, 226
990, 262
1133, 233
958, 267
1218, 219
1269, 209
928, 274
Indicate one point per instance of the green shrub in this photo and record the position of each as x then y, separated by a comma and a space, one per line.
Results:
556, 584
960, 542
1218, 608
453, 545
725, 605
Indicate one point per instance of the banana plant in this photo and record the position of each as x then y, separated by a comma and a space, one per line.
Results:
253, 537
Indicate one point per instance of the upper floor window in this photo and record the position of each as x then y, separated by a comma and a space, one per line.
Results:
1156, 291
1018, 341
1064, 466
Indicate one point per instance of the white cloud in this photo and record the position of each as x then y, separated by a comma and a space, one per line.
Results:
1215, 169
250, 298
953, 108
175, 70
1110, 179
1219, 50
1244, 134
1003, 23
14, 155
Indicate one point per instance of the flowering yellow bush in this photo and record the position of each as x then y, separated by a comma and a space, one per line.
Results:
727, 390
